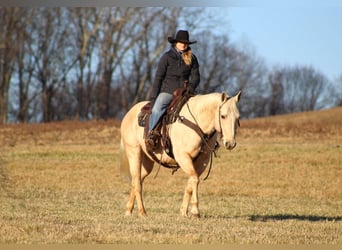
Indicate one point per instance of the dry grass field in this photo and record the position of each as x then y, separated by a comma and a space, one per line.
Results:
282, 184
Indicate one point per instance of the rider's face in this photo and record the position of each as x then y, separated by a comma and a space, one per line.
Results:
181, 46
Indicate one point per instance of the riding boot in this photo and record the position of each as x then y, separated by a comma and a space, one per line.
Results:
151, 139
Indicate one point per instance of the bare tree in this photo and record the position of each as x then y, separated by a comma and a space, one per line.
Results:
276, 105
138, 70
303, 88
131, 40
24, 89
10, 30
116, 36
85, 24
52, 55
225, 67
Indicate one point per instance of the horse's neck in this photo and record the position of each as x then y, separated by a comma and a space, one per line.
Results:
203, 108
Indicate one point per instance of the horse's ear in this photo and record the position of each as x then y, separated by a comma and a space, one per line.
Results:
224, 96
237, 97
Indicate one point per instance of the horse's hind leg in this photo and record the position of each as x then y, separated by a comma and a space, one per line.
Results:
130, 203
141, 168
134, 155
147, 166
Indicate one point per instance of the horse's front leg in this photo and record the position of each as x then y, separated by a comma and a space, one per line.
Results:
191, 193
186, 199
191, 189
194, 198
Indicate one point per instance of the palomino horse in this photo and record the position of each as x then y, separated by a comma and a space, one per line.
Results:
213, 113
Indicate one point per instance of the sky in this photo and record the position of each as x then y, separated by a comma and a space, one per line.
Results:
309, 35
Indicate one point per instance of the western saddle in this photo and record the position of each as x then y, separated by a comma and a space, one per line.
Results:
180, 97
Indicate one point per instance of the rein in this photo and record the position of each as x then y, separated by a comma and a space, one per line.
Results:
205, 137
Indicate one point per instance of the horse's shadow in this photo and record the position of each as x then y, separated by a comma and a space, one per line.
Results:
281, 217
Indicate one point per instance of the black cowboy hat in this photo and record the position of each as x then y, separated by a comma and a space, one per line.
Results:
181, 36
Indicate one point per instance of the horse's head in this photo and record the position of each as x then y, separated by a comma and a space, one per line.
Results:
227, 119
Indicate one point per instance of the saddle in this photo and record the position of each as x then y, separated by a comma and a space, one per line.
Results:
179, 98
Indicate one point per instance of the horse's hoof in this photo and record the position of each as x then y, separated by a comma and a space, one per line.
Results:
184, 213
196, 216
143, 214
128, 214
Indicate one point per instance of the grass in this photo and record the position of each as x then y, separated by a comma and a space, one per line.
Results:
281, 185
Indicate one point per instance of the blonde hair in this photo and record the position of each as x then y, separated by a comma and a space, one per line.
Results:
187, 57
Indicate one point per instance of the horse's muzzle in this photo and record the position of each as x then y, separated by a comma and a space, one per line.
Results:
230, 145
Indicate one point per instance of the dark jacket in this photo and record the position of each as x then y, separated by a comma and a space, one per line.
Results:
172, 72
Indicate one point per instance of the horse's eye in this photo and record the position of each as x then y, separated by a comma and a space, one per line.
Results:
223, 116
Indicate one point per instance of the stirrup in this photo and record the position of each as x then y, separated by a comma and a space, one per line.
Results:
151, 140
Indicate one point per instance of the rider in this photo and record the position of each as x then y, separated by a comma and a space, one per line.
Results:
177, 67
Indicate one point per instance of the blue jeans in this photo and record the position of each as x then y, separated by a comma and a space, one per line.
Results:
159, 108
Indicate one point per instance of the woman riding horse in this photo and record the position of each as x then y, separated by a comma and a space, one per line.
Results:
176, 68
214, 116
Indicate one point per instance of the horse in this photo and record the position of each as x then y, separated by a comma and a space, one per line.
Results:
216, 115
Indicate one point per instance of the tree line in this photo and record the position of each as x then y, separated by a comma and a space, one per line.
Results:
95, 63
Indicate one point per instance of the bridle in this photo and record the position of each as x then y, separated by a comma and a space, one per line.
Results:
219, 116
